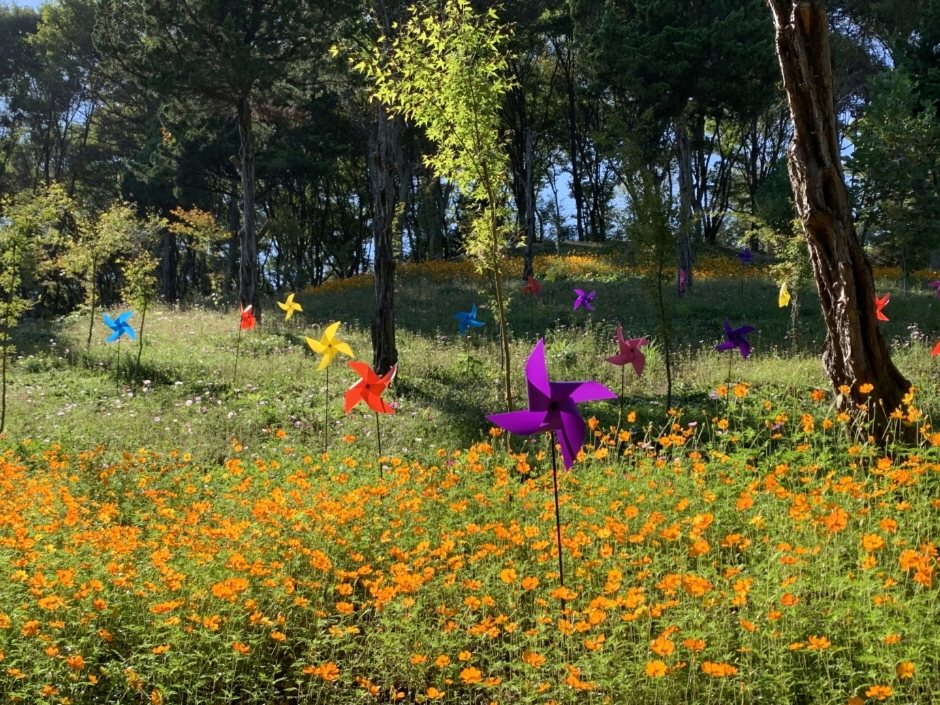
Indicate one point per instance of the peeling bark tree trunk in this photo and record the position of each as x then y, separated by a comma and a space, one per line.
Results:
382, 168
684, 155
854, 353
248, 270
528, 257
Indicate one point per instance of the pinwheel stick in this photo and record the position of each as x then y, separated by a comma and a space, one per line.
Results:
378, 438
326, 412
623, 386
117, 365
561, 562
238, 344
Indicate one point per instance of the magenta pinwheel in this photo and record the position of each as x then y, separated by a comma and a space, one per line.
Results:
736, 339
553, 406
583, 298
935, 285
682, 280
630, 353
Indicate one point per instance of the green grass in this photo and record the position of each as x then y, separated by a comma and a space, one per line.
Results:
153, 520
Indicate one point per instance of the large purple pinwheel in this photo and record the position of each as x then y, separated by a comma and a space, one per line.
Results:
582, 298
553, 406
736, 339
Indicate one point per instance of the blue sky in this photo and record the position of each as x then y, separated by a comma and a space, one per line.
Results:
23, 3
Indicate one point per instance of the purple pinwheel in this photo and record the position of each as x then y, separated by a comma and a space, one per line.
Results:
936, 286
736, 339
630, 352
682, 280
746, 256
552, 406
585, 299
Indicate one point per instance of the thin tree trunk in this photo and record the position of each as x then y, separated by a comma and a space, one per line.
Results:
855, 352
528, 257
94, 278
684, 156
384, 193
248, 270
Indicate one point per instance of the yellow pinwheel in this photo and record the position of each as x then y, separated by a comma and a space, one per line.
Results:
328, 346
289, 306
784, 298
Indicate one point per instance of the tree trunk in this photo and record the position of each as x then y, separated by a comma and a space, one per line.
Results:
854, 353
528, 269
248, 269
382, 168
170, 266
684, 157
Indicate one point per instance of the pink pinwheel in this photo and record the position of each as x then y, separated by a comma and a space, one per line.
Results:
552, 406
936, 286
682, 279
630, 352
583, 298
735, 339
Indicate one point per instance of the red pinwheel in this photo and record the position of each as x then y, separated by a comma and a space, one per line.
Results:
369, 388
880, 306
533, 287
248, 319
630, 352
936, 349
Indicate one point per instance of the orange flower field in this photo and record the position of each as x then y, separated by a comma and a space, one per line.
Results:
705, 562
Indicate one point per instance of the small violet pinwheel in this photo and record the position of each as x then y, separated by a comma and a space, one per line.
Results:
682, 279
289, 307
935, 285
329, 345
583, 298
880, 307
468, 320
119, 326
745, 256
553, 406
736, 339
248, 319
630, 353
533, 287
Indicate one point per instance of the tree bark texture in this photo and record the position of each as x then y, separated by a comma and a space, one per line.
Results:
684, 157
855, 352
248, 262
384, 196
528, 257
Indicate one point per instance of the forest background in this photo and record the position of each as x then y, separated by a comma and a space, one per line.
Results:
597, 92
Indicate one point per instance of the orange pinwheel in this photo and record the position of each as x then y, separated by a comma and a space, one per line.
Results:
880, 306
369, 388
936, 349
533, 287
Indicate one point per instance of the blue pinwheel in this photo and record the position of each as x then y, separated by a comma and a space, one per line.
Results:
735, 339
119, 326
468, 320
746, 256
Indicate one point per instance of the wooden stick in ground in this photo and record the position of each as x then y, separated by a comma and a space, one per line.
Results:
561, 562
378, 438
238, 344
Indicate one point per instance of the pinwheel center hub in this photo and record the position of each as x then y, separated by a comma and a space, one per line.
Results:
553, 406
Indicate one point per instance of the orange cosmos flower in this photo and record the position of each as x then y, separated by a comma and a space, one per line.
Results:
530, 658
879, 692
241, 648
695, 645
471, 675
872, 542
656, 669
435, 694
818, 643
662, 646
905, 669
76, 662
162, 649
530, 583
